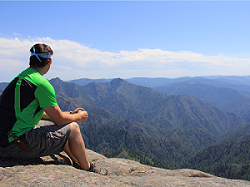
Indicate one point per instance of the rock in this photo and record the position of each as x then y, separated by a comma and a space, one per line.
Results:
56, 170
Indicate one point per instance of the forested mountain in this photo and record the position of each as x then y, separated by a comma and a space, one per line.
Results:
99, 116
230, 159
105, 132
241, 134
224, 98
173, 149
229, 93
144, 105
167, 129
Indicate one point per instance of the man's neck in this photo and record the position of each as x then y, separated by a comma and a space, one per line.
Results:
42, 70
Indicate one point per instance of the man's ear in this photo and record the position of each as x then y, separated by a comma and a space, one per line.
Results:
50, 61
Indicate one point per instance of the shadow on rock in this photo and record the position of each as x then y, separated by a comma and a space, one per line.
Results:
52, 159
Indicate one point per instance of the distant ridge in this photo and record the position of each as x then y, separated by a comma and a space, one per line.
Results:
233, 82
225, 98
85, 81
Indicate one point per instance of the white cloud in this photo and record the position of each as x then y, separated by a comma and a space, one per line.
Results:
72, 60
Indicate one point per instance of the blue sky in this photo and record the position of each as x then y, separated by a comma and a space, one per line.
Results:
126, 38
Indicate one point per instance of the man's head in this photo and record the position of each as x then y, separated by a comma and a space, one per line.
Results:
40, 55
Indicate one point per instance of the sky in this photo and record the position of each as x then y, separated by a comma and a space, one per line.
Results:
125, 39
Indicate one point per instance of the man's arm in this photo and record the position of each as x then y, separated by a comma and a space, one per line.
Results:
55, 114
46, 117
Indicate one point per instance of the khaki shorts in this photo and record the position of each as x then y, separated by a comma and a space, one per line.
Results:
42, 141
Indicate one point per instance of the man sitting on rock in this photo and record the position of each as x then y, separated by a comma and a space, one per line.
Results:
22, 105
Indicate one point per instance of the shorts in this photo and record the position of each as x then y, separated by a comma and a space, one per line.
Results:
42, 141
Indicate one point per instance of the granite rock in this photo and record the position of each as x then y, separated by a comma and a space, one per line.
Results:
56, 170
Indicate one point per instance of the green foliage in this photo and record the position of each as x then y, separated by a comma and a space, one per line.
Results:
174, 148
139, 157
228, 170
242, 133
228, 159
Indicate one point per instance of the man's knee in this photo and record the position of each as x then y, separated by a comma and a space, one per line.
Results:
74, 127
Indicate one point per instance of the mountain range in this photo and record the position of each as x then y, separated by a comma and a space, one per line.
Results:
169, 127
186, 117
161, 112
179, 121
229, 93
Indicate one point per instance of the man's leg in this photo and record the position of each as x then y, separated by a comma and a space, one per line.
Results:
75, 147
67, 150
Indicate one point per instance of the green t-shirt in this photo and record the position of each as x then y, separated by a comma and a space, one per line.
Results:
32, 92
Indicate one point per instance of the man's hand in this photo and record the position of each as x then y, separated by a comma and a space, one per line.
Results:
76, 110
83, 115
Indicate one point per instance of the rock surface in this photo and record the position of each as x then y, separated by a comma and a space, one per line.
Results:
56, 170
